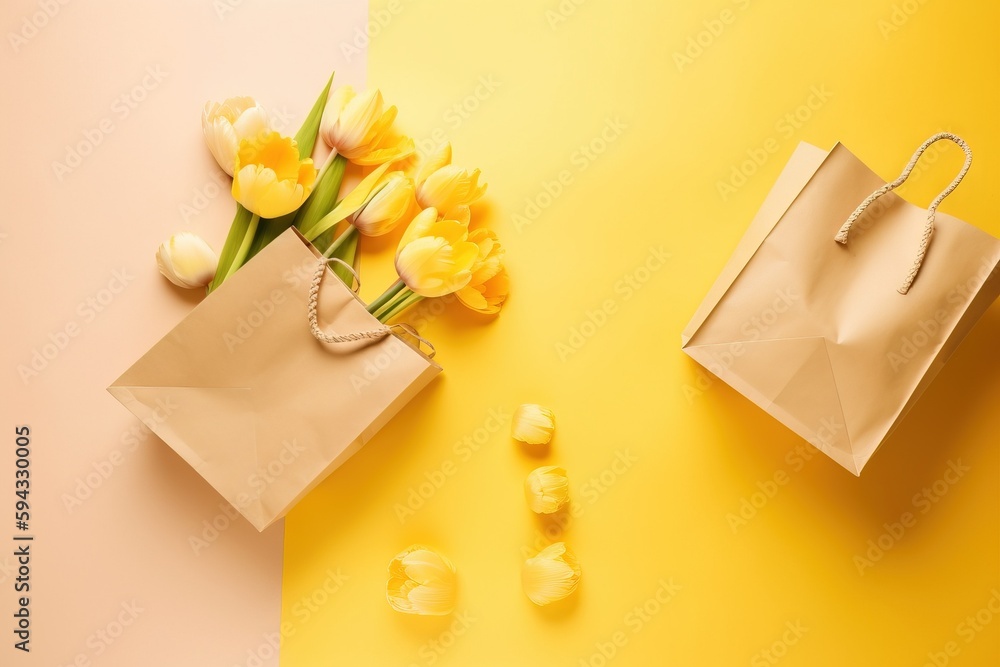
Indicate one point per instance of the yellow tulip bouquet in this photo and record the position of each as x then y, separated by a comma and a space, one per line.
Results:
277, 186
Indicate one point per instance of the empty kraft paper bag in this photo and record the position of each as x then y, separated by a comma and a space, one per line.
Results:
843, 301
256, 397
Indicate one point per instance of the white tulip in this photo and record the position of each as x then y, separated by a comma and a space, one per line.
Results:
186, 260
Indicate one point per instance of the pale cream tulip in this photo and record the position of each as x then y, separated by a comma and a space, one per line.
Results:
387, 205
423, 582
187, 261
357, 126
547, 489
226, 125
442, 185
551, 575
532, 424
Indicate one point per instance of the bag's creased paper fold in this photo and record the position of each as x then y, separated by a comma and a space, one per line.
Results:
249, 398
814, 332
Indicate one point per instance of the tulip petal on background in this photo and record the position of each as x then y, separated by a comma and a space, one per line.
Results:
551, 575
271, 180
187, 261
444, 186
435, 257
547, 489
357, 126
532, 424
489, 285
227, 124
423, 582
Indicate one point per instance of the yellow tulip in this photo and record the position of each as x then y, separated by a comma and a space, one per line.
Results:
532, 424
386, 206
357, 126
423, 582
446, 187
187, 261
489, 285
270, 178
435, 257
547, 489
226, 125
551, 575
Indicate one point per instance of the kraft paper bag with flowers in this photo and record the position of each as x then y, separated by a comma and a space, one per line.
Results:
262, 404
262, 400
843, 301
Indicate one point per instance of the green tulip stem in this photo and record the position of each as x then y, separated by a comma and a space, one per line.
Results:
348, 234
400, 306
393, 290
244, 249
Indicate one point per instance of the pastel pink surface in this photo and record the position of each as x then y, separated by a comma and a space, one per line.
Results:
127, 567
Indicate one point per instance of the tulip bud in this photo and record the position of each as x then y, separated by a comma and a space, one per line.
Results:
547, 489
187, 261
551, 575
357, 125
532, 424
422, 581
444, 186
435, 257
386, 207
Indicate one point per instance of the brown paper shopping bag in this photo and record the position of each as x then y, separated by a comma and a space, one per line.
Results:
843, 301
253, 393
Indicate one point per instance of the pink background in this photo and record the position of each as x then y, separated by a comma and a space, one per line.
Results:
63, 240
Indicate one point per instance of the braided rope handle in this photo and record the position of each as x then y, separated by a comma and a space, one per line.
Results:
373, 334
317, 332
925, 239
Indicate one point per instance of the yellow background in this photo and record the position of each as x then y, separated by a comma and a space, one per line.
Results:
697, 453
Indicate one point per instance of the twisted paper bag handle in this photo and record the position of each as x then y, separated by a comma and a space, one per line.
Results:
841, 236
373, 334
